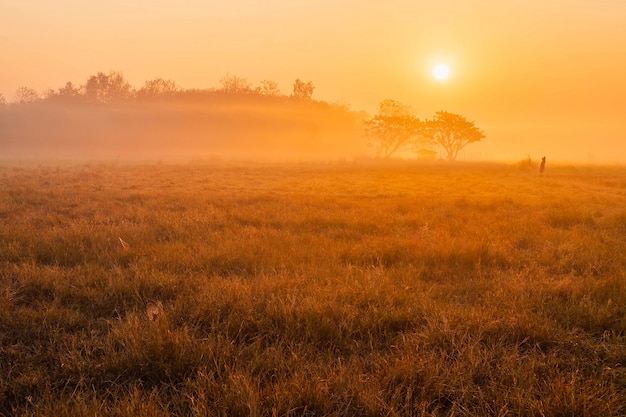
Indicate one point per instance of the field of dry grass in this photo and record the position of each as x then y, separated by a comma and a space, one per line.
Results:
290, 290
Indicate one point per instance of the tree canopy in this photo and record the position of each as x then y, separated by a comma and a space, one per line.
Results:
69, 92
106, 88
392, 128
233, 84
450, 131
268, 88
157, 87
25, 95
395, 127
303, 90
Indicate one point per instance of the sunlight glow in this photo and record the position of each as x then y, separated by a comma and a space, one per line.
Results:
441, 71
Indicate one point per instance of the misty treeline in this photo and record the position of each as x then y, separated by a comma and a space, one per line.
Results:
395, 128
108, 117
114, 88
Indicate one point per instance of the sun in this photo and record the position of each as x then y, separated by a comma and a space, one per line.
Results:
441, 71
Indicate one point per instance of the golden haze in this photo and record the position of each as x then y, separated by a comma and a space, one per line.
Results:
538, 77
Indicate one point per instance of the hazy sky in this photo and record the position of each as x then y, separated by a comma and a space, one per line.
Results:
537, 76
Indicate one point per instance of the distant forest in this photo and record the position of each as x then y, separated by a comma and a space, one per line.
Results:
106, 117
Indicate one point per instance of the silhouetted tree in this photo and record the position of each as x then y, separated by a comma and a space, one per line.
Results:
302, 90
158, 88
450, 131
268, 88
25, 95
106, 88
393, 127
3, 101
69, 92
233, 84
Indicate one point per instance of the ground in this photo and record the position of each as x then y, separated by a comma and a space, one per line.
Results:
311, 289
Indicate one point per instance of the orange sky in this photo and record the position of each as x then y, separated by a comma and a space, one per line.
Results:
539, 77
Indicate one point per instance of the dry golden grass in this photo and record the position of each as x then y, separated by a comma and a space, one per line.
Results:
253, 290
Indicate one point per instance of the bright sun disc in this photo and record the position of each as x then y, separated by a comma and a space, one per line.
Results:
441, 71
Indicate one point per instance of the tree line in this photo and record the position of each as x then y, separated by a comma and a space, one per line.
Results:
392, 129
106, 115
113, 87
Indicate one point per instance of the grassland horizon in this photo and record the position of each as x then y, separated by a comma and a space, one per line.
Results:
254, 289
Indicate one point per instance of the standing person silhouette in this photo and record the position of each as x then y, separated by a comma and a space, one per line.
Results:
542, 167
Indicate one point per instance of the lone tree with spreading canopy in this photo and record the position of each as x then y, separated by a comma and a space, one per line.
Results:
392, 128
450, 131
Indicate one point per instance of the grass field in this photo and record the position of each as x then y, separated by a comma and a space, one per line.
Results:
290, 290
